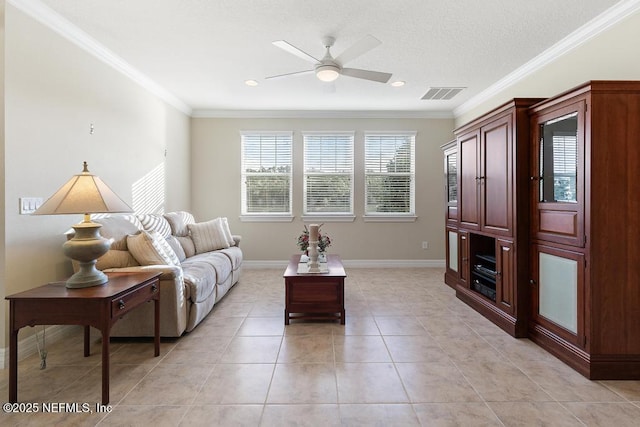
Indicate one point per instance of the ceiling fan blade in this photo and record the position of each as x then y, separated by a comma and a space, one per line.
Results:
360, 48
295, 73
295, 51
375, 76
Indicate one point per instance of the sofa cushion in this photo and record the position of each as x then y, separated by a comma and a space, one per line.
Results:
200, 279
234, 254
155, 222
178, 222
150, 248
203, 271
208, 236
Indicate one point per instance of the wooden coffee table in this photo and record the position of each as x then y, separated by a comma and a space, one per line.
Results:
314, 295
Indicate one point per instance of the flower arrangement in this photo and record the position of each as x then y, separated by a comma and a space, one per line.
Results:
324, 241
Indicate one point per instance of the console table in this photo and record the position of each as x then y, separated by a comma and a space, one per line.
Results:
314, 295
98, 306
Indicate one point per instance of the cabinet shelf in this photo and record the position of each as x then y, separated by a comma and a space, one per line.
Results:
485, 276
488, 258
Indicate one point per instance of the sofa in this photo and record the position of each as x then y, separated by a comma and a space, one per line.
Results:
199, 263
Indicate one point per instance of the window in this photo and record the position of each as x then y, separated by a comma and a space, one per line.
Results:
266, 173
328, 173
389, 173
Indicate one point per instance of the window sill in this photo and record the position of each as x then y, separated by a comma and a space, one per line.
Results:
266, 218
389, 218
328, 218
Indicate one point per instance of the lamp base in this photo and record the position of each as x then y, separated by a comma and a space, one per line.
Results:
86, 247
87, 276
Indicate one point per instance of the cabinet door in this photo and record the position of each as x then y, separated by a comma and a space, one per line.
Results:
558, 180
468, 180
505, 280
558, 292
451, 272
452, 250
451, 183
463, 249
496, 178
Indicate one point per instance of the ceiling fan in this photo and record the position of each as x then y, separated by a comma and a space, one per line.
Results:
329, 68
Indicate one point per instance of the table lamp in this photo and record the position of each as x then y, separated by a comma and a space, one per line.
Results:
85, 194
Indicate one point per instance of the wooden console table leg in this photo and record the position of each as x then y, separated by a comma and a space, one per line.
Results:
13, 359
105, 364
87, 339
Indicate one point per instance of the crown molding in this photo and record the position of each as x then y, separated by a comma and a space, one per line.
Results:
54, 21
319, 114
596, 26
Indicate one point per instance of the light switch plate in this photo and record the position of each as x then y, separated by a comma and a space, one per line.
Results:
28, 205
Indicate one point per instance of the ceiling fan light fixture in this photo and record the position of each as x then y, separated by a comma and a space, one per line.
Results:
251, 82
327, 73
398, 83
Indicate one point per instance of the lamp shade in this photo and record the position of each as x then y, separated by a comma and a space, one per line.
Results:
84, 193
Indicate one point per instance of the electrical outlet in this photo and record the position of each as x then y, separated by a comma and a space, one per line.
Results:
28, 205
425, 245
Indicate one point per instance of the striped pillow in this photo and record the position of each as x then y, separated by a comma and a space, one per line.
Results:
150, 248
208, 236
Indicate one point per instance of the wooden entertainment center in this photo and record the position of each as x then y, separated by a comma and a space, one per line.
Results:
543, 223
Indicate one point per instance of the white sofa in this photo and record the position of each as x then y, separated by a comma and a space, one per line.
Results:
203, 266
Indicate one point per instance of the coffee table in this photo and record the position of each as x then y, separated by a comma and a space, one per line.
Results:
314, 295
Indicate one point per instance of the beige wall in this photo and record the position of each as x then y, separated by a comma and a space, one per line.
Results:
216, 190
611, 55
53, 92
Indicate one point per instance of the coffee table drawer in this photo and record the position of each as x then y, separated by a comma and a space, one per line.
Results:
324, 293
131, 300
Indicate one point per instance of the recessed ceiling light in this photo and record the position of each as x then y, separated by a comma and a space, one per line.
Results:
251, 82
398, 83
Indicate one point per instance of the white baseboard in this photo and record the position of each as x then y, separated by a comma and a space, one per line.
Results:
358, 263
28, 346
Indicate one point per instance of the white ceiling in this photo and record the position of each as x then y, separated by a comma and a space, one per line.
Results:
202, 51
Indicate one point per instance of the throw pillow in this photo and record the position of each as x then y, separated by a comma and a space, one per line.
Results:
177, 248
116, 259
227, 231
208, 236
179, 221
187, 245
150, 248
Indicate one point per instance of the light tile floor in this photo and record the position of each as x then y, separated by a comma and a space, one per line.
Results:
410, 354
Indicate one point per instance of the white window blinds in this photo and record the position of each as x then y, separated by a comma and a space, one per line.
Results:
390, 173
266, 172
328, 173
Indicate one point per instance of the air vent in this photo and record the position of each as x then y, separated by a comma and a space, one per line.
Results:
442, 93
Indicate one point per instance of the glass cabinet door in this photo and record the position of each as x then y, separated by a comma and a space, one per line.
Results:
452, 177
451, 180
558, 290
558, 174
452, 237
559, 159
558, 297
